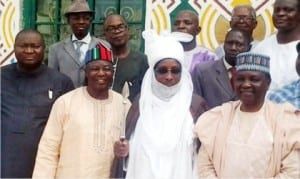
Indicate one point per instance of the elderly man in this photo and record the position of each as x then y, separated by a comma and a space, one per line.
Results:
291, 92
213, 80
28, 91
68, 55
186, 28
252, 137
130, 65
83, 125
281, 45
244, 18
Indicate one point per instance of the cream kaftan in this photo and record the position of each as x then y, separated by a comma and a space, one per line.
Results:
271, 148
79, 136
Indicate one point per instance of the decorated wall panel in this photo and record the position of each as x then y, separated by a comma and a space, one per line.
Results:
214, 18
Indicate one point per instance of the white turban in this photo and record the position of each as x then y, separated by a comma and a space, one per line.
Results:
164, 130
161, 47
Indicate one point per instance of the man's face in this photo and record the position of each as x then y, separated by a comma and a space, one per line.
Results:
251, 87
29, 50
99, 75
243, 19
186, 22
286, 16
235, 43
168, 72
116, 31
80, 24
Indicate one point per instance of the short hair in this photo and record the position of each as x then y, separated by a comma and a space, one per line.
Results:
28, 31
193, 13
114, 14
247, 35
250, 8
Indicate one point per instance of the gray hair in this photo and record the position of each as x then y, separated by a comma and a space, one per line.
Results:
250, 8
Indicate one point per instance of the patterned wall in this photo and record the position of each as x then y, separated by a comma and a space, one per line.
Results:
214, 16
10, 20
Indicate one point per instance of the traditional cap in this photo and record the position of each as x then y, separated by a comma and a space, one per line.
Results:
99, 52
298, 47
161, 47
78, 6
253, 62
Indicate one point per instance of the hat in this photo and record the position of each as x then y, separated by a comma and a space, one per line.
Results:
162, 46
298, 47
253, 62
78, 6
99, 52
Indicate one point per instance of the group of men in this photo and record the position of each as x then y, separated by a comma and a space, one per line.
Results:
83, 124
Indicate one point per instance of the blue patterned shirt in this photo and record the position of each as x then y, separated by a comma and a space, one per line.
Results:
289, 93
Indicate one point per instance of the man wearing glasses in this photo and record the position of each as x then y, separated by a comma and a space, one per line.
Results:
244, 18
130, 65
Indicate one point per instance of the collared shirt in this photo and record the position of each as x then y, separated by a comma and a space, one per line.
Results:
84, 47
289, 93
228, 67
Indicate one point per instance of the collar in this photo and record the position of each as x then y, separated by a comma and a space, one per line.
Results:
36, 72
87, 39
227, 65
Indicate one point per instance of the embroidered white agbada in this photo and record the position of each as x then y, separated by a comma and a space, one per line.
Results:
161, 146
79, 136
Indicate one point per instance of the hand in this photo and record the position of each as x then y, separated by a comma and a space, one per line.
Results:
121, 148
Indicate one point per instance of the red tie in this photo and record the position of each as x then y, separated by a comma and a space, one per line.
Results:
233, 75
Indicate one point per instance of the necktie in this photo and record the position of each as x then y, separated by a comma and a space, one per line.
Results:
233, 75
78, 50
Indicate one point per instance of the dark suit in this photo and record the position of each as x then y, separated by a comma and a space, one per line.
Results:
211, 81
62, 57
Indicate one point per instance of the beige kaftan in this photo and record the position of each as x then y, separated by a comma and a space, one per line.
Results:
279, 156
79, 136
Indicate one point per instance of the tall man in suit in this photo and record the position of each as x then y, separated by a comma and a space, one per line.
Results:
67, 56
212, 80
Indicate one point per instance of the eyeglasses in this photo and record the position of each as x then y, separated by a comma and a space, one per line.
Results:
163, 71
121, 28
244, 18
